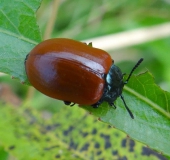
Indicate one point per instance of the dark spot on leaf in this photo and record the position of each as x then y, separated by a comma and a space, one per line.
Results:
114, 152
84, 134
132, 144
51, 127
108, 145
99, 152
11, 147
97, 145
123, 158
66, 132
107, 140
72, 145
147, 151
85, 147
48, 127
124, 142
57, 156
116, 134
109, 126
94, 131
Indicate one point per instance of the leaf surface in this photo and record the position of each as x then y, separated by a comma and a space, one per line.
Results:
150, 106
19, 33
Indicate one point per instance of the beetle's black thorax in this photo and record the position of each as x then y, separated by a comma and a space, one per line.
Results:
113, 86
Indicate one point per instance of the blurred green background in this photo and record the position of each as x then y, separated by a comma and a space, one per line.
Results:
86, 19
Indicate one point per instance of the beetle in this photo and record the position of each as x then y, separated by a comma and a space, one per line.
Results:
75, 72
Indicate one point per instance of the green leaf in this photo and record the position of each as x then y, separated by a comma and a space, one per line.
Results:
18, 35
150, 106
69, 133
3, 154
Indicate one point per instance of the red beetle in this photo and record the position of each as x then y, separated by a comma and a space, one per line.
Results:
72, 71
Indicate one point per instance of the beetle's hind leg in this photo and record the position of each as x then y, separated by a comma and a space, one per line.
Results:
113, 105
95, 105
69, 103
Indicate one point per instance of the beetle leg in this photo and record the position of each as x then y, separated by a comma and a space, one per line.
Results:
69, 103
112, 104
95, 106
90, 44
129, 111
26, 58
72, 104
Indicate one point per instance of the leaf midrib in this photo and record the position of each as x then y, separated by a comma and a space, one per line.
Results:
18, 37
148, 101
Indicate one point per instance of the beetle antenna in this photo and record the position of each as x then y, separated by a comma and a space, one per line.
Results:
137, 64
129, 111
